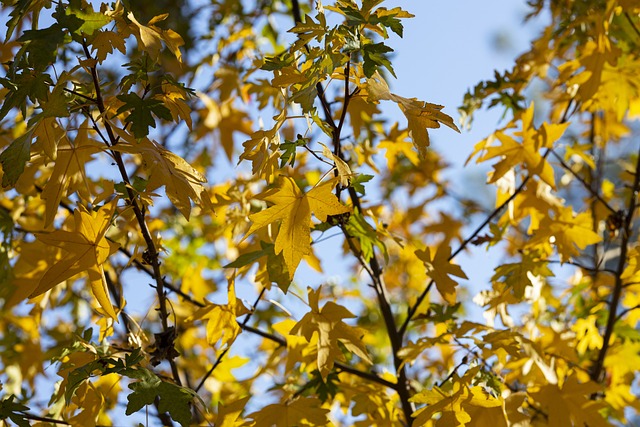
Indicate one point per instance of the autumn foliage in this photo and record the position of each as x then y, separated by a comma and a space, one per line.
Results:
208, 219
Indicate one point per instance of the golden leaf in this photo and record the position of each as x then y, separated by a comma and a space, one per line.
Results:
87, 250
294, 208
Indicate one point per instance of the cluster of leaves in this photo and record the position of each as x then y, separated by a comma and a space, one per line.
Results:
121, 210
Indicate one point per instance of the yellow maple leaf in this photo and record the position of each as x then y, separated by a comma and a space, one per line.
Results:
104, 42
150, 37
344, 171
439, 268
228, 414
48, 134
69, 171
304, 411
181, 180
222, 324
420, 115
569, 404
87, 250
327, 323
294, 208
567, 231
512, 152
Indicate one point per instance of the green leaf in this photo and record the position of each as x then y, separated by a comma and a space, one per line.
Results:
12, 410
324, 389
174, 399
289, 149
358, 180
140, 113
42, 45
373, 57
14, 158
277, 270
246, 259
91, 21
34, 86
272, 63
359, 228
389, 21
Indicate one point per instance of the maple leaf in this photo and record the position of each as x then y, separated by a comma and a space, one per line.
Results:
182, 182
87, 250
171, 398
567, 231
150, 37
229, 413
570, 403
14, 158
527, 152
140, 110
294, 208
439, 269
104, 42
68, 171
327, 323
343, 169
299, 412
222, 324
420, 115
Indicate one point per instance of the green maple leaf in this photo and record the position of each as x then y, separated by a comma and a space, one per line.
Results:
34, 86
91, 21
13, 411
14, 158
174, 399
374, 56
141, 113
42, 45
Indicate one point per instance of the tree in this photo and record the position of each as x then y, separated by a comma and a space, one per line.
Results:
121, 128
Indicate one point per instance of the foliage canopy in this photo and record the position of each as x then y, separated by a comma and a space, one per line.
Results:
164, 167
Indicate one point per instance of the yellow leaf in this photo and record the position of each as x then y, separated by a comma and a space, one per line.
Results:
69, 171
439, 268
150, 37
512, 152
300, 412
87, 250
48, 134
228, 414
420, 115
327, 323
222, 324
441, 401
396, 144
182, 182
567, 232
293, 209
570, 404
104, 42
344, 171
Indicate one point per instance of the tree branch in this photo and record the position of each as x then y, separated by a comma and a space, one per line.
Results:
597, 370
152, 251
412, 309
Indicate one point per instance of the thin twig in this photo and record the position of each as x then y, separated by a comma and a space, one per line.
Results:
226, 350
583, 182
